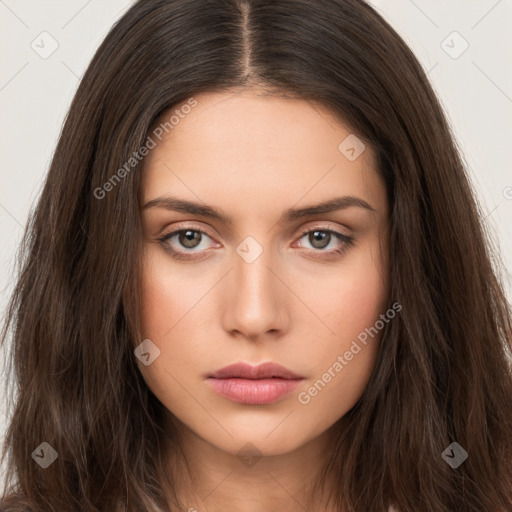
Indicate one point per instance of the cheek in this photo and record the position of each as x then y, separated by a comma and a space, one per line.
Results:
353, 301
354, 295
360, 300
171, 318
167, 294
157, 286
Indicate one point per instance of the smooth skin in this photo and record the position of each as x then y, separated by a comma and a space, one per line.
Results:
252, 156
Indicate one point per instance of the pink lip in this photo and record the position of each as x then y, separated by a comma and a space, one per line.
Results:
254, 385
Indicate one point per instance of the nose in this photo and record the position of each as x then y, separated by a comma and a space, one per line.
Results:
255, 305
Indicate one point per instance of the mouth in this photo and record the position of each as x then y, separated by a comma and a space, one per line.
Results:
254, 385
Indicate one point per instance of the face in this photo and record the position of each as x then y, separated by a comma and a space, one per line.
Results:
240, 279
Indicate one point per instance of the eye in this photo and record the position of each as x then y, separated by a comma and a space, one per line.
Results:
187, 238
190, 241
320, 238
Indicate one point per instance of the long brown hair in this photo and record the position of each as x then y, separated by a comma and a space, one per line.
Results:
443, 371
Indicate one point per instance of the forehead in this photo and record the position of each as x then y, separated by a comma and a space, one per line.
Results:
252, 147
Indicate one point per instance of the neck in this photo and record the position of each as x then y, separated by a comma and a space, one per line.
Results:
205, 478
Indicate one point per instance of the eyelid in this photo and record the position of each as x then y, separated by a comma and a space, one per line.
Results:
318, 225
346, 239
304, 230
312, 225
183, 226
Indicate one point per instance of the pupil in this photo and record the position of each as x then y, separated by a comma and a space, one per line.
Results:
318, 236
189, 237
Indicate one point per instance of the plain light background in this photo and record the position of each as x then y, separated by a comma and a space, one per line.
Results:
464, 45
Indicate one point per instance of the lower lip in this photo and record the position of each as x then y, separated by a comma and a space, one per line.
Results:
253, 391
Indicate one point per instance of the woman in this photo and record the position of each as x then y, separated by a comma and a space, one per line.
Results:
257, 278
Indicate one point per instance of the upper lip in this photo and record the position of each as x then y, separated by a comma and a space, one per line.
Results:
261, 371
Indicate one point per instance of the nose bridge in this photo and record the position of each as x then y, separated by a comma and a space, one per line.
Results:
253, 305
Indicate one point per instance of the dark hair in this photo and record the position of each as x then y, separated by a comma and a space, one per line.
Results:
443, 371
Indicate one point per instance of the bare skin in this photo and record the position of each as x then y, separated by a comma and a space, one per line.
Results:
298, 303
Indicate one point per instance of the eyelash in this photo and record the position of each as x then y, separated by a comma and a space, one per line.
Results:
348, 241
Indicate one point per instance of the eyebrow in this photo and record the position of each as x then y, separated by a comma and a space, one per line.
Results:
183, 206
